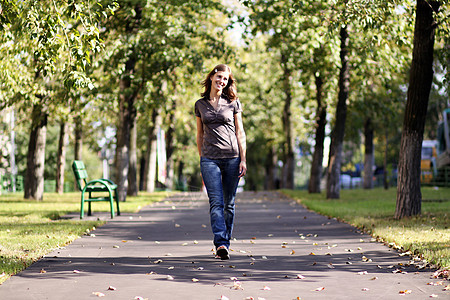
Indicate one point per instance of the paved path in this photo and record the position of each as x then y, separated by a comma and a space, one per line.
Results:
281, 251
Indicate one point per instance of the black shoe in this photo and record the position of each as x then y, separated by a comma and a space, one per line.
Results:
222, 251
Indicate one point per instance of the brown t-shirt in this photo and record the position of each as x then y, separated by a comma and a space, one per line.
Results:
219, 131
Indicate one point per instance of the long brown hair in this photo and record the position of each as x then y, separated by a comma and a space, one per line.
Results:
229, 91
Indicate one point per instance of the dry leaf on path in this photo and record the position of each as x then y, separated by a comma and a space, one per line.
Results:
319, 289
266, 288
169, 277
405, 292
98, 294
111, 288
363, 273
433, 296
195, 280
300, 276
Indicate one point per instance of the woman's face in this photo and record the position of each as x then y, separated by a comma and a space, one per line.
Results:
220, 80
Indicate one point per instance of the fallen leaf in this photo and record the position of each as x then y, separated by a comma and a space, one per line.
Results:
237, 286
139, 238
359, 248
270, 235
158, 261
292, 252
233, 278
319, 289
433, 296
157, 242
363, 273
195, 280
266, 288
300, 276
169, 277
374, 278
184, 244
330, 265
111, 288
203, 225
447, 288
364, 289
42, 271
76, 271
124, 241
115, 246
312, 253
278, 217
195, 242
249, 298
224, 297
98, 294
171, 268
405, 292
264, 257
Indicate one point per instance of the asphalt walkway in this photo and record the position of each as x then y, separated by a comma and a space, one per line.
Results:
280, 251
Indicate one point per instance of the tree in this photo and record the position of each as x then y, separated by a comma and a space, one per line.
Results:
337, 135
409, 196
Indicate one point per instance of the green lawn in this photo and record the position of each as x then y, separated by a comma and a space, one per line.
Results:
427, 235
29, 229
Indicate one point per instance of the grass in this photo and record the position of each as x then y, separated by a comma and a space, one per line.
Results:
30, 229
426, 236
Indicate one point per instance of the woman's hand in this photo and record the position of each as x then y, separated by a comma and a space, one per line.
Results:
242, 169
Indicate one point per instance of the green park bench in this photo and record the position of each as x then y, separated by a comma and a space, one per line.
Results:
97, 186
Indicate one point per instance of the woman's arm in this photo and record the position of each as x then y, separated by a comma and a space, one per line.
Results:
199, 135
240, 134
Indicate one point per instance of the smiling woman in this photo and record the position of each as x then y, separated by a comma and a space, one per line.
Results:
222, 149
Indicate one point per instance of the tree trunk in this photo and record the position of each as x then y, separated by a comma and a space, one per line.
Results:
150, 157
132, 172
127, 112
34, 179
170, 141
316, 164
61, 159
385, 172
288, 165
271, 171
409, 197
337, 135
78, 138
368, 154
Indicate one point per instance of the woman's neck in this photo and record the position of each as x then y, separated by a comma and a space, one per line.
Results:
214, 95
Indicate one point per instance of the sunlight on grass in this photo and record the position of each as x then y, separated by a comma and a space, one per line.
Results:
373, 210
29, 229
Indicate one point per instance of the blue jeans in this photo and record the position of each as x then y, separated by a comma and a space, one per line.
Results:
221, 177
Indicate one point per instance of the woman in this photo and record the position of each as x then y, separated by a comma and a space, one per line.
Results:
221, 146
